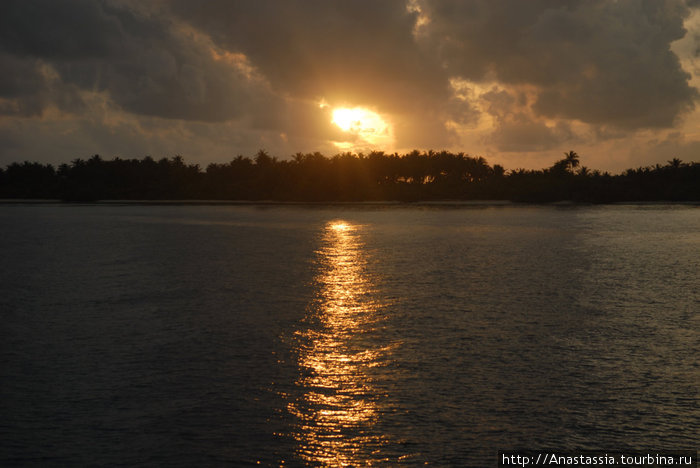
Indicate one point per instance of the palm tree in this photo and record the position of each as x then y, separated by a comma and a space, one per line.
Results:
263, 159
571, 159
675, 163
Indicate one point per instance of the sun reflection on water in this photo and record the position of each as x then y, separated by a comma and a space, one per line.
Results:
339, 404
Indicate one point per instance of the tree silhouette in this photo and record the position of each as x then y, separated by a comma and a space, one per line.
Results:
431, 175
675, 163
572, 160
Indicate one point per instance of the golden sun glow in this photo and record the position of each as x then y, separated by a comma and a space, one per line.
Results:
340, 226
368, 127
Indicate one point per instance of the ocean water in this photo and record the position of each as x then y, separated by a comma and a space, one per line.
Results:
356, 335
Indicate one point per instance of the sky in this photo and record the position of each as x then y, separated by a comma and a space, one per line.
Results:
516, 82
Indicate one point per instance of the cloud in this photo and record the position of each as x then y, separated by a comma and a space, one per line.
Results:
597, 61
362, 52
146, 63
72, 29
660, 150
521, 133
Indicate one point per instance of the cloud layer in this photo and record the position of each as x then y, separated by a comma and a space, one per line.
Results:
497, 77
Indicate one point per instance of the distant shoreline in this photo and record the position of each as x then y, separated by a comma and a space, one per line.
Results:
429, 177
430, 203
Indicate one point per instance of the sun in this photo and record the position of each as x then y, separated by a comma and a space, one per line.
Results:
358, 120
369, 126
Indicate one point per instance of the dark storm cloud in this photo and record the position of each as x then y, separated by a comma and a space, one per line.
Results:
59, 29
146, 64
23, 88
599, 61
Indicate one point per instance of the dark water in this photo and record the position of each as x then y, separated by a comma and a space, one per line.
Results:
232, 335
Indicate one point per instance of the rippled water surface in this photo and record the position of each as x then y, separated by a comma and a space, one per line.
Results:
345, 335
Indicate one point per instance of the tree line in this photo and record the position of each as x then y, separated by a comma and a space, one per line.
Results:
313, 177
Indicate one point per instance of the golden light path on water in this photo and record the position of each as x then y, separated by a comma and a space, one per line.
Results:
338, 408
